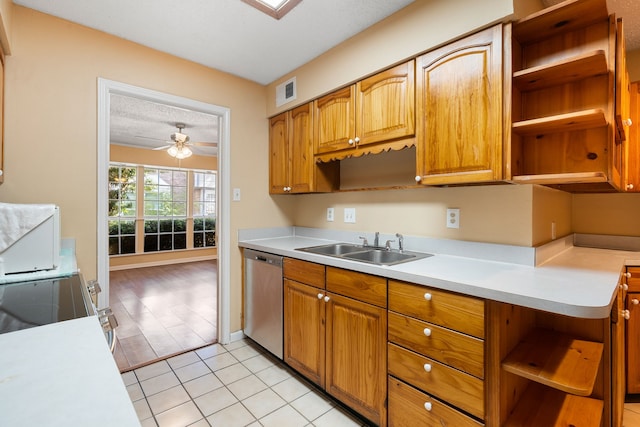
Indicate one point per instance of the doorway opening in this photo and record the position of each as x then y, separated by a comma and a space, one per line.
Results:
219, 277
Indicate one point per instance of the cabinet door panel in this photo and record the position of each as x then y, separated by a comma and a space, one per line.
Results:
301, 149
304, 330
633, 344
386, 105
279, 161
356, 356
334, 120
459, 108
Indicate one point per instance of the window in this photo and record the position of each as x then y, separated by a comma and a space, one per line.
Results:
122, 209
154, 209
274, 8
165, 209
204, 209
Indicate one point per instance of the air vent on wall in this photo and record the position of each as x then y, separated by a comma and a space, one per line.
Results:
286, 92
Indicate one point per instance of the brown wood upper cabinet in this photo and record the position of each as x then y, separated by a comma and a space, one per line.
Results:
292, 168
632, 153
370, 116
459, 111
1, 116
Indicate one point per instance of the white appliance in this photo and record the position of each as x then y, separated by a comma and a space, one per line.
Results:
29, 238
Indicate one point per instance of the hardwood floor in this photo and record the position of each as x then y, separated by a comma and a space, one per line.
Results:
163, 311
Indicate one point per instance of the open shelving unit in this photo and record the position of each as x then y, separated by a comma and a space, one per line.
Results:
563, 125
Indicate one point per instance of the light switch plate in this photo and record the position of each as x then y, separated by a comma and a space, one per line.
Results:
236, 194
350, 215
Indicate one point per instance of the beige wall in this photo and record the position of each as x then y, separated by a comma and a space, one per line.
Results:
51, 126
615, 214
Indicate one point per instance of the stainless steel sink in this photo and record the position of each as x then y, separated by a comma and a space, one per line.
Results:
371, 255
334, 249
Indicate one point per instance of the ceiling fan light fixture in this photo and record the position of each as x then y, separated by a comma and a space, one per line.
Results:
179, 152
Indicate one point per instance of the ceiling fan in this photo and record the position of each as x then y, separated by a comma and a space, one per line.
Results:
180, 146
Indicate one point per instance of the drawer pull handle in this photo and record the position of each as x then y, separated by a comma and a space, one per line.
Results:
427, 367
427, 406
427, 332
320, 296
635, 301
427, 296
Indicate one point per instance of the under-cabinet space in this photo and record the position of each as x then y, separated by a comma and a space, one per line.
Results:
544, 406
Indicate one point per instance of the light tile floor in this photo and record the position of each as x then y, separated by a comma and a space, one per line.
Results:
229, 385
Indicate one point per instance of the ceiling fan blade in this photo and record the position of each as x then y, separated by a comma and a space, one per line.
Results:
148, 137
204, 144
164, 147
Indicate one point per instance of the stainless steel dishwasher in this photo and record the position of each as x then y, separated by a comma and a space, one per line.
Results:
263, 300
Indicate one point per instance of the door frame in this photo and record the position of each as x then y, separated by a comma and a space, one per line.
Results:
105, 89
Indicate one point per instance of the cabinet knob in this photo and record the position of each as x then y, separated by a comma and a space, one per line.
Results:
629, 186
357, 139
635, 301
286, 189
320, 296
627, 122
418, 178
351, 142
427, 367
626, 314
427, 296
427, 406
624, 286
627, 275
326, 299
427, 332
1, 172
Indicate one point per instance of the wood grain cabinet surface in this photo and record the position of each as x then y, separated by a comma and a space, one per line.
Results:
292, 168
370, 116
460, 111
336, 339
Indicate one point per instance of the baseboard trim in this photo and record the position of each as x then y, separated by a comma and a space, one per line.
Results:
236, 336
162, 262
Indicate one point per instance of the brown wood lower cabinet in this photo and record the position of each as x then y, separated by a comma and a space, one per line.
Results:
337, 341
633, 331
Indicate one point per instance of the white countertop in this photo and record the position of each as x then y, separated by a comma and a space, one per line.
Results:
576, 281
62, 374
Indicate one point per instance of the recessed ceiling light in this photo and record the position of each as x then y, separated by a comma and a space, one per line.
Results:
274, 8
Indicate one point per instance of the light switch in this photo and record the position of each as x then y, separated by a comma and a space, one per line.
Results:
236, 194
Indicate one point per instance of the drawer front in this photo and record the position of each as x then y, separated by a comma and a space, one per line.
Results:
455, 387
360, 286
304, 272
409, 407
634, 280
444, 345
453, 311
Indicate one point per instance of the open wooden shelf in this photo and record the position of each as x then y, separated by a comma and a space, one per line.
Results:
544, 406
562, 178
579, 120
568, 70
562, 17
556, 360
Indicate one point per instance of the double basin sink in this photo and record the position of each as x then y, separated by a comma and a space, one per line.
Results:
368, 254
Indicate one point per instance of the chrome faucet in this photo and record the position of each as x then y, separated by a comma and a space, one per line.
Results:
400, 238
376, 239
387, 246
365, 243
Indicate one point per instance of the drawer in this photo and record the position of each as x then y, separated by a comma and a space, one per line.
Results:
458, 350
360, 286
634, 280
458, 312
304, 272
409, 407
461, 390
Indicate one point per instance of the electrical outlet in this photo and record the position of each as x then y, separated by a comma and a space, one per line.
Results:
329, 214
453, 218
349, 214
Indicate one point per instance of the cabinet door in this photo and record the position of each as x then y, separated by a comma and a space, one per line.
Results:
279, 154
386, 105
459, 110
632, 170
356, 356
335, 121
301, 149
304, 330
633, 343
